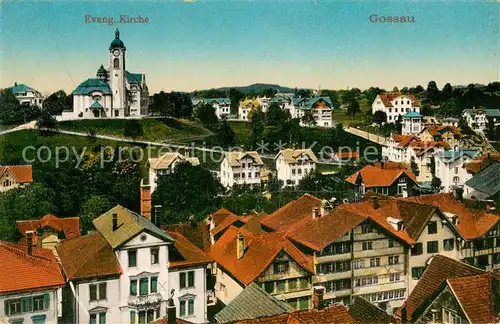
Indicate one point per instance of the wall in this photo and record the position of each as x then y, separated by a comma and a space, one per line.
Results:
198, 293
51, 313
226, 288
434, 312
111, 303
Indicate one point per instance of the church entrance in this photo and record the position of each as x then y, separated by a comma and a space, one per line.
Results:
97, 113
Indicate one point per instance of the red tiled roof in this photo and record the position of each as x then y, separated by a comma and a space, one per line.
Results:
297, 210
20, 271
229, 220
404, 140
70, 226
390, 165
388, 97
481, 162
477, 295
471, 223
260, 252
22, 173
191, 255
371, 176
347, 155
88, 256
197, 234
220, 215
439, 270
336, 314
364, 312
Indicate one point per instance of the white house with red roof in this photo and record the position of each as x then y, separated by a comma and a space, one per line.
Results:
395, 105
13, 176
30, 282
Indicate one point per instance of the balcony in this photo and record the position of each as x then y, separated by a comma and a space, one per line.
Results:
146, 301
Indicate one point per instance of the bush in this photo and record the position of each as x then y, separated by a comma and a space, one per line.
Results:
133, 128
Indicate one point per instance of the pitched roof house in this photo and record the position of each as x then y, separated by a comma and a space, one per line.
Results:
13, 176
241, 168
294, 164
485, 184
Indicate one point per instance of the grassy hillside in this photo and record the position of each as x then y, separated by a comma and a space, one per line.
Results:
154, 129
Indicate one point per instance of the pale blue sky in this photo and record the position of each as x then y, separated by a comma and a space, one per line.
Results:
188, 46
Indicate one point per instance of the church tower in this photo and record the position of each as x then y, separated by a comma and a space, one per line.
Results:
117, 77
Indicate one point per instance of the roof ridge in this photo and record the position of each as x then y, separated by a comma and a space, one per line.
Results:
23, 256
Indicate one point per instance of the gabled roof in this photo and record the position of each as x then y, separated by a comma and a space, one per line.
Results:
96, 105
481, 162
166, 160
253, 302
235, 157
372, 176
197, 234
488, 112
226, 101
296, 211
22, 173
486, 181
134, 78
218, 216
478, 296
472, 223
364, 312
130, 225
261, 250
439, 270
20, 271
291, 155
388, 97
452, 155
70, 226
188, 254
91, 85
308, 103
88, 256
231, 219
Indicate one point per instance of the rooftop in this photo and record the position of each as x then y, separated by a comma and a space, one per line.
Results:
372, 176
188, 254
388, 97
487, 180
291, 155
69, 226
235, 157
22, 173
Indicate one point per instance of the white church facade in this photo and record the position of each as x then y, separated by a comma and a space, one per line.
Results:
114, 93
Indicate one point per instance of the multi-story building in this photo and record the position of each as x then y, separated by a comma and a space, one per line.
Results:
395, 105
449, 121
478, 119
27, 95
320, 107
13, 176
165, 165
450, 167
412, 123
449, 134
30, 284
241, 168
294, 164
128, 269
222, 106
246, 107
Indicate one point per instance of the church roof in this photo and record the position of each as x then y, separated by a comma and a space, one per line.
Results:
91, 85
133, 78
117, 42
96, 105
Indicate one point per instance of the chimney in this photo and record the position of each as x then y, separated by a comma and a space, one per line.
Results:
29, 242
171, 312
115, 222
374, 202
318, 297
240, 245
458, 193
316, 212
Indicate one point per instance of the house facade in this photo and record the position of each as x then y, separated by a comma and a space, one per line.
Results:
450, 168
27, 95
222, 106
395, 105
479, 118
246, 107
165, 165
241, 168
412, 123
14, 176
30, 284
294, 164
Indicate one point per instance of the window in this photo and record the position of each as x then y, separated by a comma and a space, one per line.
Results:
393, 243
269, 287
375, 262
432, 247
191, 279
133, 287
292, 284
496, 258
97, 291
304, 303
256, 174
366, 228
187, 307
143, 286
482, 261
432, 227
394, 277
281, 286
417, 272
281, 267
154, 285
186, 279
155, 256
450, 317
38, 319
304, 283
448, 245
293, 171
417, 249
456, 170
394, 260
132, 258
27, 304
359, 264
116, 63
367, 246
99, 318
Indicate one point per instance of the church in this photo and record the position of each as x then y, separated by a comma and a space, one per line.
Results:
113, 93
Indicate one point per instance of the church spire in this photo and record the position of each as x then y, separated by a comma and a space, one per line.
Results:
117, 34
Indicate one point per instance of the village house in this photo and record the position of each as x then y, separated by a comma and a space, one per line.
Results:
241, 168
449, 121
222, 106
450, 167
320, 107
449, 134
485, 184
30, 284
147, 266
292, 165
165, 165
246, 107
14, 176
479, 118
453, 292
27, 95
384, 179
395, 105
412, 123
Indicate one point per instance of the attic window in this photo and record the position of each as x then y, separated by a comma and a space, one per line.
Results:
397, 224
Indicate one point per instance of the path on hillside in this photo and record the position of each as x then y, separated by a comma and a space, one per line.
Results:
366, 135
30, 125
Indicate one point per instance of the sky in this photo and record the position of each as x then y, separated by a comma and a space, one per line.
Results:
205, 44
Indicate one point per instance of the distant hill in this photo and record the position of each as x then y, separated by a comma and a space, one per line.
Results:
256, 87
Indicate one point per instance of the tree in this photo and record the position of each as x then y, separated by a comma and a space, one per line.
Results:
92, 208
275, 115
235, 95
308, 119
46, 120
446, 92
226, 135
399, 124
189, 190
426, 110
379, 117
172, 104
371, 93
10, 108
414, 167
436, 184
206, 114
257, 128
433, 94
58, 102
133, 128
353, 108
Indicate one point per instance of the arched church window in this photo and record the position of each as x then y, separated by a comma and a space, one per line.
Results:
116, 63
